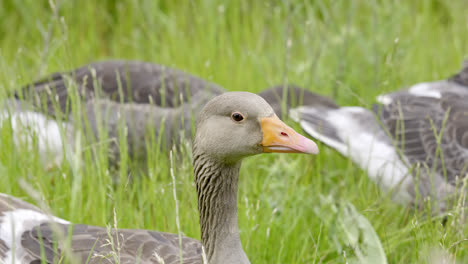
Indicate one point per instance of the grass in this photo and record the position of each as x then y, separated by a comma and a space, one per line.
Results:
288, 204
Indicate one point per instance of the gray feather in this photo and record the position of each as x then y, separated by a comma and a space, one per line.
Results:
101, 245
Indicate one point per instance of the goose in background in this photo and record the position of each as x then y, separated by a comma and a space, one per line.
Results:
230, 127
140, 96
110, 96
415, 142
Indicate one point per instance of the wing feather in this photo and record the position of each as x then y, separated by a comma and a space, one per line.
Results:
120, 81
430, 130
101, 245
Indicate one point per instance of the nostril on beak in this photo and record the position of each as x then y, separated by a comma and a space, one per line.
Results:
284, 134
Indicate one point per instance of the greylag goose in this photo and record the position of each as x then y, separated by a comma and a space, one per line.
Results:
119, 81
142, 96
414, 143
230, 127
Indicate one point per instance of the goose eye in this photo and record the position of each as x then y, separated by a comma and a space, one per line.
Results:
236, 116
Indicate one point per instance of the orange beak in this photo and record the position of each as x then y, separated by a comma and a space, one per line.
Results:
278, 137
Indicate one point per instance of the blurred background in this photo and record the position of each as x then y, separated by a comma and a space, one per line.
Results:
349, 49
298, 210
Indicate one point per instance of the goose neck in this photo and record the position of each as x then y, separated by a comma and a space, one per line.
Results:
216, 184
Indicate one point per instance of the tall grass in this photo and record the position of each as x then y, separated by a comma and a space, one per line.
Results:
289, 205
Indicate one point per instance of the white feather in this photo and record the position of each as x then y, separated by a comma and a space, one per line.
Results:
425, 89
295, 114
360, 143
384, 99
28, 125
14, 223
428, 89
315, 133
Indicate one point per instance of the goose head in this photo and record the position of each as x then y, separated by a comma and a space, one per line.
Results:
235, 125
230, 127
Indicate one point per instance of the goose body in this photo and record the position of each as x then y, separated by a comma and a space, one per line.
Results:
396, 141
121, 81
230, 127
115, 96
131, 96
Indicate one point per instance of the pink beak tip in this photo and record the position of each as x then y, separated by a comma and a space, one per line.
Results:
308, 145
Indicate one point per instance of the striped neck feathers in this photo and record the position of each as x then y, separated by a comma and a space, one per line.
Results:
216, 184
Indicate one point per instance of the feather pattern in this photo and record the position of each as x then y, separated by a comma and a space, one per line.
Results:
36, 231
422, 131
145, 100
29, 235
120, 81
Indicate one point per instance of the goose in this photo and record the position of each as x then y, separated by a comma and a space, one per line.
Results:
122, 81
139, 95
414, 143
229, 128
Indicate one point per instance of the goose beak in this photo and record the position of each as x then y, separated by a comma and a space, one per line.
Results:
278, 137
